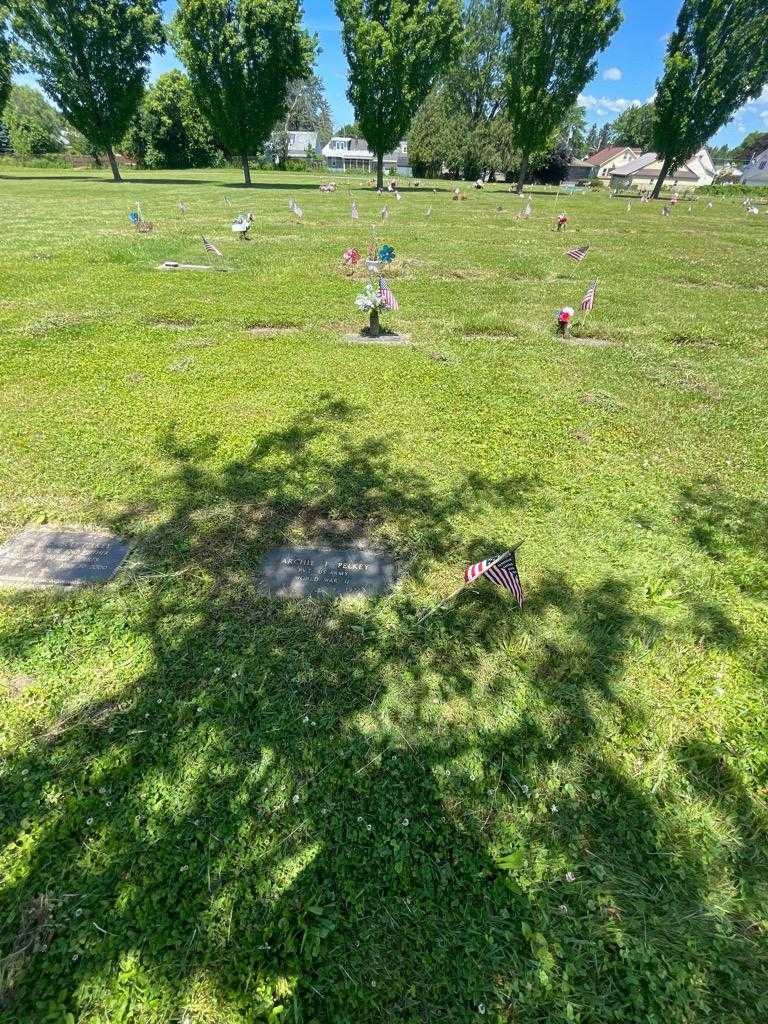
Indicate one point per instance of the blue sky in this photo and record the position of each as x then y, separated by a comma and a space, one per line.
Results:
627, 71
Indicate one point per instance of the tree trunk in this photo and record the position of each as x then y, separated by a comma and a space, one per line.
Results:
246, 169
375, 328
379, 170
113, 164
660, 180
523, 172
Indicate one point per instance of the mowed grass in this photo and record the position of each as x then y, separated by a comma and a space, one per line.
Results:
217, 807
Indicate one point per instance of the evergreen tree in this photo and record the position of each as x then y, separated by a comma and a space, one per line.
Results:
717, 59
593, 139
550, 59
241, 56
91, 58
395, 53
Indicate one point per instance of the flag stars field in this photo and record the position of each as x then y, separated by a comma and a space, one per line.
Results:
411, 806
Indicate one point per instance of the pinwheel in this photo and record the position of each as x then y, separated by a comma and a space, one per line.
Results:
351, 257
386, 254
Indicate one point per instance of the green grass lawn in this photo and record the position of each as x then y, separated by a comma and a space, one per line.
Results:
219, 807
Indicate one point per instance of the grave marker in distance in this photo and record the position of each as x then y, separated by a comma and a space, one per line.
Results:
46, 557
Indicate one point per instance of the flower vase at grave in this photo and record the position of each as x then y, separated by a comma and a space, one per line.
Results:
374, 329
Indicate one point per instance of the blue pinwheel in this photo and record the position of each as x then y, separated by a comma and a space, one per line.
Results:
133, 217
386, 254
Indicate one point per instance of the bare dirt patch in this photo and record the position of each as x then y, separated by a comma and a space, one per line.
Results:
183, 324
265, 330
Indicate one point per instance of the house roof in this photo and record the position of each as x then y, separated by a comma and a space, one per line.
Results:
357, 149
580, 163
603, 155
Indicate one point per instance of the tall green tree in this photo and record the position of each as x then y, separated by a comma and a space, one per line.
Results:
34, 127
241, 56
716, 60
168, 131
592, 139
551, 57
749, 147
395, 50
634, 128
456, 124
5, 58
92, 59
306, 110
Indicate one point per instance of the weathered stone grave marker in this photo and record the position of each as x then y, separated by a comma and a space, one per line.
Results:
46, 557
337, 572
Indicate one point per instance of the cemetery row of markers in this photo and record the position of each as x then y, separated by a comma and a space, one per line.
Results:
50, 557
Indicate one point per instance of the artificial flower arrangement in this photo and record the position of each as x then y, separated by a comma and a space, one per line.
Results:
564, 317
376, 296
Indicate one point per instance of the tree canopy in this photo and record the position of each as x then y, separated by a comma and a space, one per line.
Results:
716, 60
168, 130
306, 110
241, 56
550, 59
634, 128
395, 53
5, 58
92, 59
34, 127
749, 147
460, 123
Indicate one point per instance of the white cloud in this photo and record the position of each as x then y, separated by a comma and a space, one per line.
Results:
603, 106
664, 38
612, 75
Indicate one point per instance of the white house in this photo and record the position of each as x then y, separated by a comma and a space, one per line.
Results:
642, 173
345, 154
756, 172
606, 161
299, 143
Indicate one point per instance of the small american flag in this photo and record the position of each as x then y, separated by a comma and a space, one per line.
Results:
388, 300
429, 211
211, 248
384, 212
227, 201
294, 207
355, 211
589, 299
579, 253
501, 570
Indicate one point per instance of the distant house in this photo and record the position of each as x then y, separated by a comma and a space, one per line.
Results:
345, 154
643, 172
756, 172
606, 161
579, 170
299, 143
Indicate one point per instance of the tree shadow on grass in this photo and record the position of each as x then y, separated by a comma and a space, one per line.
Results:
329, 808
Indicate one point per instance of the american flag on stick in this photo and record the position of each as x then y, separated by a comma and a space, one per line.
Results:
211, 248
588, 301
388, 300
579, 253
355, 212
501, 570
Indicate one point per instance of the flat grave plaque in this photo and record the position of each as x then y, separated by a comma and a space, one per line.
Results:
316, 572
45, 557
